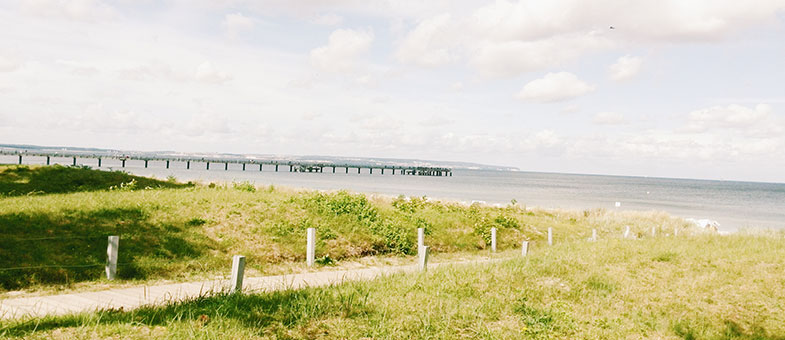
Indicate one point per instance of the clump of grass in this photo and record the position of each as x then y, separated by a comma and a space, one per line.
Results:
18, 180
244, 186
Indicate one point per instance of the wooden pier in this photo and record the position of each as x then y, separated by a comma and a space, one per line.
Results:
247, 165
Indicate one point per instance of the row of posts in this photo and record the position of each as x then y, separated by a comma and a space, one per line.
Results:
238, 261
291, 167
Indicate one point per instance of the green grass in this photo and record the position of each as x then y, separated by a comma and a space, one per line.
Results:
171, 231
32, 180
701, 287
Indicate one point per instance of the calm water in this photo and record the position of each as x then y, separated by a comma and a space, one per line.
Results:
733, 204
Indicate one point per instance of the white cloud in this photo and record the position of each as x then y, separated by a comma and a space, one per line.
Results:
78, 10
608, 118
671, 20
236, 23
329, 19
510, 58
207, 73
507, 38
79, 68
9, 63
626, 67
554, 87
758, 120
342, 50
427, 45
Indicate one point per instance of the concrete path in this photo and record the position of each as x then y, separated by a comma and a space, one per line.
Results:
130, 298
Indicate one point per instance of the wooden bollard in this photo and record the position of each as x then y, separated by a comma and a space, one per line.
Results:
238, 268
493, 240
420, 239
550, 236
310, 252
525, 248
111, 257
627, 232
423, 258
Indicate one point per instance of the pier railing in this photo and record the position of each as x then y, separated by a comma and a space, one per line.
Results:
247, 164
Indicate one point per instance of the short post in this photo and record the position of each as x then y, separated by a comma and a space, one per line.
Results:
594, 235
167, 164
310, 252
238, 269
424, 258
550, 236
188, 165
20, 159
74, 161
653, 231
627, 232
226, 166
525, 248
99, 162
111, 257
493, 240
47, 160
420, 239
675, 231
123, 163
145, 163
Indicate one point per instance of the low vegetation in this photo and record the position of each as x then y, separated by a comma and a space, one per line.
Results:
699, 287
55, 220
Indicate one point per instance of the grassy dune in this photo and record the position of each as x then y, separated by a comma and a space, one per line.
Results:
176, 232
700, 287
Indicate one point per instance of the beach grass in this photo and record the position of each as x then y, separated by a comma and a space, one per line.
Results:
175, 231
699, 287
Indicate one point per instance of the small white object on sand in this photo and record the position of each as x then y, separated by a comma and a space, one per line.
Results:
706, 224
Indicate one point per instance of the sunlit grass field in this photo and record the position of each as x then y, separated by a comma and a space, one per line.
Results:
698, 287
694, 286
60, 217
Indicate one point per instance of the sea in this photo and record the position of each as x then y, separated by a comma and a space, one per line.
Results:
734, 205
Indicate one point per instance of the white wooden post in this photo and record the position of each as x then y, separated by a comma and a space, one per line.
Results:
627, 232
675, 231
111, 257
238, 269
653, 231
424, 258
420, 239
310, 252
594, 235
550, 236
493, 240
525, 248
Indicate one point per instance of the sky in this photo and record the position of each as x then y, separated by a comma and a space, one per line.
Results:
669, 88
